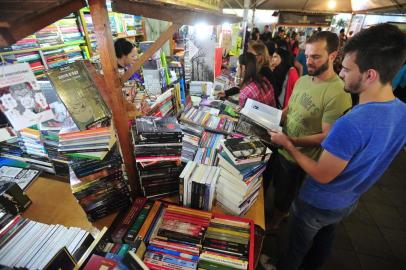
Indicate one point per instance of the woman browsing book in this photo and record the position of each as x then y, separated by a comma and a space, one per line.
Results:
126, 54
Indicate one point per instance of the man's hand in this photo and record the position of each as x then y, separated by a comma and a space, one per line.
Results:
221, 94
280, 139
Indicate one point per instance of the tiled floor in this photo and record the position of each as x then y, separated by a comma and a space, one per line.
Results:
374, 235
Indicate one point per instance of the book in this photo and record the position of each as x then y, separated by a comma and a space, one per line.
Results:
79, 93
22, 101
100, 263
23, 177
245, 150
124, 226
257, 118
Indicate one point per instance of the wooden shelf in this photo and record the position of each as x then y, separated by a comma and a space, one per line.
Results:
72, 43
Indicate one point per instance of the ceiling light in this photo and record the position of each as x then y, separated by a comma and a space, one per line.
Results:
331, 4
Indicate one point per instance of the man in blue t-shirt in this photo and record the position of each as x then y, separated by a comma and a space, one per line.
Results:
356, 152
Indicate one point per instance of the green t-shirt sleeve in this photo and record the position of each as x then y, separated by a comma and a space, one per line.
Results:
337, 102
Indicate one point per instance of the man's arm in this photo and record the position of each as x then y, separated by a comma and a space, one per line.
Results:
312, 140
323, 171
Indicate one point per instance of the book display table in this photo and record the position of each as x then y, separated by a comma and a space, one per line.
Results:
53, 203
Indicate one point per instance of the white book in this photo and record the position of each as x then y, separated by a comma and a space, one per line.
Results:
76, 240
54, 247
213, 185
13, 248
37, 246
7, 250
186, 185
264, 115
33, 264
27, 242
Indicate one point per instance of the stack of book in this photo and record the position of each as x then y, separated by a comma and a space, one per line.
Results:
34, 150
198, 88
55, 58
197, 185
99, 186
49, 36
157, 148
73, 53
226, 245
10, 148
29, 42
208, 147
243, 161
177, 238
88, 144
31, 245
161, 105
209, 120
191, 139
69, 29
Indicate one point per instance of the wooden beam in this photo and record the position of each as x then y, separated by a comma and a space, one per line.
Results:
22, 27
163, 38
172, 13
108, 59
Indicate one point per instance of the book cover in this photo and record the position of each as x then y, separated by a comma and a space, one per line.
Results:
100, 263
157, 125
79, 93
21, 99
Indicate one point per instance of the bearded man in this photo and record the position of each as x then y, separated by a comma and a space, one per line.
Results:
317, 101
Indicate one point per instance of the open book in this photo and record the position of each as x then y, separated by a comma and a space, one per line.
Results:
257, 118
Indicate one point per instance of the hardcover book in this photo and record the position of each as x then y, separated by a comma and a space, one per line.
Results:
79, 93
21, 99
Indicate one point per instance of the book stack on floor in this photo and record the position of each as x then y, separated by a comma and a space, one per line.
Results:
34, 150
243, 161
226, 245
209, 119
99, 185
208, 147
27, 244
176, 238
191, 139
157, 148
197, 185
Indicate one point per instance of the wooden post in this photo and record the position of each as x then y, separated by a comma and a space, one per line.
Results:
108, 59
163, 38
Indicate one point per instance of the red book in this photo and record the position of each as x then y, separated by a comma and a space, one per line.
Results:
100, 263
128, 220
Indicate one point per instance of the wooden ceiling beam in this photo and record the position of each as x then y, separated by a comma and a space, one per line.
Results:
172, 13
27, 25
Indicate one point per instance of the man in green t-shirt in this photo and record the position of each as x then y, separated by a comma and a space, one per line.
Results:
318, 99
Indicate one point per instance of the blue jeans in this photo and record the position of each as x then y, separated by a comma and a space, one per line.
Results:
312, 232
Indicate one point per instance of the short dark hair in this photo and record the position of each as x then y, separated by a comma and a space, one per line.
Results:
342, 30
123, 47
381, 47
330, 38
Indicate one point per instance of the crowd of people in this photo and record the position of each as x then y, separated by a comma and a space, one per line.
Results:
342, 126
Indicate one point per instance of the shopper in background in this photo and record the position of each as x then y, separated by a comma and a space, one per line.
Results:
318, 99
357, 151
126, 52
255, 35
266, 35
263, 59
300, 61
284, 76
253, 85
294, 44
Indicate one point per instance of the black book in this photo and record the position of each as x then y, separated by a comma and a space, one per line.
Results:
146, 125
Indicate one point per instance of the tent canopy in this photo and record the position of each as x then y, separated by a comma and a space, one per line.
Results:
340, 6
